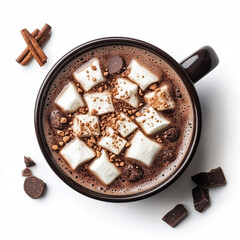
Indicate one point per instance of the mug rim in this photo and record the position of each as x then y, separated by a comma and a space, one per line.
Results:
91, 45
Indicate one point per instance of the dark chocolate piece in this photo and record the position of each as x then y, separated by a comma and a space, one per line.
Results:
168, 155
216, 177
55, 119
202, 179
115, 65
26, 172
34, 187
176, 215
210, 179
29, 162
171, 135
133, 172
201, 199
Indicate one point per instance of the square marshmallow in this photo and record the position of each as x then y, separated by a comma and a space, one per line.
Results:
141, 75
143, 149
112, 142
151, 121
99, 103
127, 91
77, 152
126, 126
160, 99
105, 171
69, 100
89, 74
86, 125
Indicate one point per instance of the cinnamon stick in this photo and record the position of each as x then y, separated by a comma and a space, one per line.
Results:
42, 36
28, 57
34, 47
44, 31
26, 50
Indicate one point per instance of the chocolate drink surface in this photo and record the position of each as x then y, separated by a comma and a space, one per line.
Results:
118, 65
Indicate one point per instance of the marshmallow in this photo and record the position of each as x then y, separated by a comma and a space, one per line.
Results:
160, 99
69, 100
125, 125
77, 152
99, 103
141, 75
112, 141
127, 91
89, 74
151, 121
143, 149
105, 171
85, 125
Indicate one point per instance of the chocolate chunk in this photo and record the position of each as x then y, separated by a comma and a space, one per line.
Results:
168, 155
55, 119
201, 199
176, 215
34, 187
133, 172
216, 177
26, 172
29, 162
201, 179
115, 65
171, 135
210, 179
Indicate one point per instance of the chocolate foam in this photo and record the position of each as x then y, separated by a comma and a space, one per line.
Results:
182, 117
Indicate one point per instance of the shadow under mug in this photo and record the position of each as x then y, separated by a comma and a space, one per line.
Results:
190, 70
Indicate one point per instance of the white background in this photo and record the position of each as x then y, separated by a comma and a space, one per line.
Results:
179, 28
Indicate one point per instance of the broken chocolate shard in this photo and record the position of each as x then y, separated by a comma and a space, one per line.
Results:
133, 172
29, 162
168, 155
171, 135
26, 172
201, 199
201, 179
55, 119
176, 215
210, 179
34, 187
216, 177
115, 65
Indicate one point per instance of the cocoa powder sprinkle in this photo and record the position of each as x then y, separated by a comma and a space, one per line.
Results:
94, 112
94, 68
54, 147
63, 120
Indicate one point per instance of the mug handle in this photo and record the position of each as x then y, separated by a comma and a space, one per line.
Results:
200, 63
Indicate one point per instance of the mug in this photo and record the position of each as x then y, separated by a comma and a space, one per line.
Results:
190, 70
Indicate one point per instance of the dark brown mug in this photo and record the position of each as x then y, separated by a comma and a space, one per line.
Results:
190, 70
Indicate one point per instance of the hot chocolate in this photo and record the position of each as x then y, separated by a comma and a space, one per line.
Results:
118, 120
